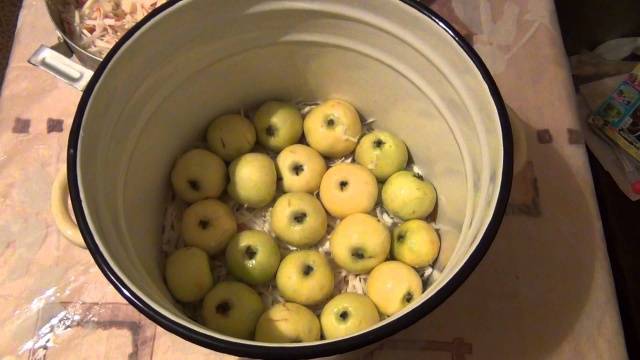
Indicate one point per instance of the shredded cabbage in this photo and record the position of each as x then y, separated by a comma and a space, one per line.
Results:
96, 25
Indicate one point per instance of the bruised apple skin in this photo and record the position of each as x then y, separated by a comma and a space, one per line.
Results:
301, 168
383, 153
348, 189
305, 277
198, 174
188, 274
230, 136
253, 257
252, 180
408, 196
278, 125
333, 128
347, 314
232, 308
208, 224
359, 243
393, 285
299, 219
288, 323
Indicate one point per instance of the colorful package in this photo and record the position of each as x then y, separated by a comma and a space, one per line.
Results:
618, 118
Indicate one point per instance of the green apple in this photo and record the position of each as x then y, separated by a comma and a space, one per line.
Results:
408, 196
301, 168
415, 243
305, 277
288, 323
188, 274
253, 180
347, 314
253, 257
198, 174
208, 224
299, 219
383, 153
359, 243
232, 308
393, 285
347, 189
278, 125
333, 128
230, 136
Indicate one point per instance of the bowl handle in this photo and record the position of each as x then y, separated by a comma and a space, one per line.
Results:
60, 210
60, 66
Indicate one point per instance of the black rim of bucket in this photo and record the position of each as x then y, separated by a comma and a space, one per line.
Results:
301, 350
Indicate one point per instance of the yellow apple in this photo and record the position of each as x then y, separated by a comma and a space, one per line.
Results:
208, 224
198, 174
188, 274
278, 125
415, 243
408, 196
232, 308
301, 168
288, 323
383, 153
299, 219
333, 128
253, 180
348, 189
347, 314
230, 136
393, 285
359, 243
305, 277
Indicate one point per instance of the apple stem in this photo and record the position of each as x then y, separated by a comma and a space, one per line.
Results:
223, 308
408, 297
308, 269
299, 217
204, 224
194, 184
250, 252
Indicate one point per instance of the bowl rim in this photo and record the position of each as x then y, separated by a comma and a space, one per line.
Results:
303, 351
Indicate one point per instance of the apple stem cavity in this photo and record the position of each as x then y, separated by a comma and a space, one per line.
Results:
357, 253
270, 130
378, 143
250, 252
344, 315
408, 297
343, 185
194, 184
203, 223
331, 122
223, 308
307, 270
300, 217
402, 236
297, 169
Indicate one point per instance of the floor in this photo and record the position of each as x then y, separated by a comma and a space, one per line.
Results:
585, 24
8, 19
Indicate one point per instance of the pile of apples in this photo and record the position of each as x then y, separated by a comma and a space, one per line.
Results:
359, 244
